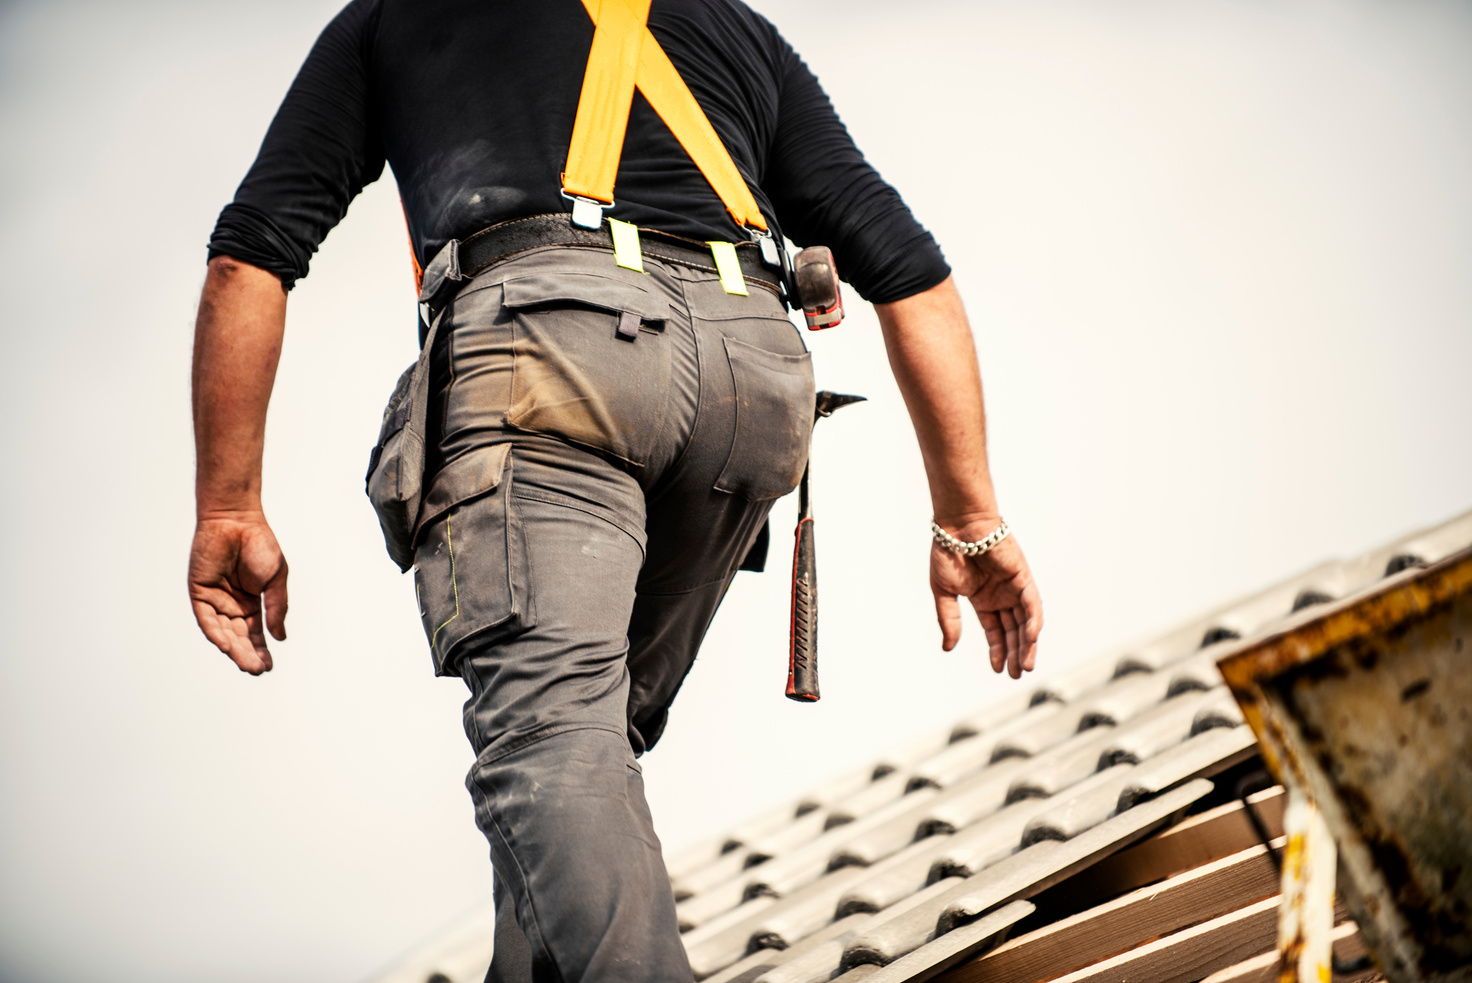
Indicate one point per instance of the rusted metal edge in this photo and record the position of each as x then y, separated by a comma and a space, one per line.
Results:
1397, 601
1411, 594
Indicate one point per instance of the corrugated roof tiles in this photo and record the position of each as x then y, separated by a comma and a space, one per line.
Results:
921, 859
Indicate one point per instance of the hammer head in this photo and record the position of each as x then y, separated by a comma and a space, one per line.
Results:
827, 402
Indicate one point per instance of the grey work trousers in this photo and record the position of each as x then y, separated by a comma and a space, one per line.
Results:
595, 494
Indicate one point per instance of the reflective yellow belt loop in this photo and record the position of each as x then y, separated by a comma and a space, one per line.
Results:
624, 55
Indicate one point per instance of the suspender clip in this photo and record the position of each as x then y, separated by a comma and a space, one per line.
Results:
768, 246
587, 212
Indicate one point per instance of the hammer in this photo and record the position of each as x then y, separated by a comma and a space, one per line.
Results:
802, 660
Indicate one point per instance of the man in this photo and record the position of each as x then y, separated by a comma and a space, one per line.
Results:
608, 430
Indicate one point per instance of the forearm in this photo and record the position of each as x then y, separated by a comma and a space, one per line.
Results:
237, 345
934, 361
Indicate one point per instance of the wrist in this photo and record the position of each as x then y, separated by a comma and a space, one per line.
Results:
964, 503
228, 512
968, 520
222, 498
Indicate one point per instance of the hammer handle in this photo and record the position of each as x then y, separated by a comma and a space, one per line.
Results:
802, 663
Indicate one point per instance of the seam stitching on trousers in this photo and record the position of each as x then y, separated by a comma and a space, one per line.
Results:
454, 583
689, 590
547, 498
675, 468
525, 890
538, 736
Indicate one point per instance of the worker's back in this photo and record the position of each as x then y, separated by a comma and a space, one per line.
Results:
472, 104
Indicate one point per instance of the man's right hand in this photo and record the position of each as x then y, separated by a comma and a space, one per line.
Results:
933, 357
235, 564
1000, 587
235, 569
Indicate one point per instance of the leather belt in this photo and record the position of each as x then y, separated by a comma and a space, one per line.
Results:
506, 239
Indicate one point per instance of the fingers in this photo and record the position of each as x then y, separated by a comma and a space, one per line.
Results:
232, 636
1031, 614
274, 597
262, 573
214, 627
948, 614
1014, 648
996, 637
248, 650
235, 567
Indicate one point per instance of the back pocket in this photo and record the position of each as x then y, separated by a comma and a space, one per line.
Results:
774, 421
575, 376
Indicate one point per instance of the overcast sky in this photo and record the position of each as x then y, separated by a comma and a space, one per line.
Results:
1218, 257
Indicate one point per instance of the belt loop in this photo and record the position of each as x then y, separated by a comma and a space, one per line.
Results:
442, 271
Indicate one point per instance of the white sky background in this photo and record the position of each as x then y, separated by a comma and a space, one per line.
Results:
1218, 257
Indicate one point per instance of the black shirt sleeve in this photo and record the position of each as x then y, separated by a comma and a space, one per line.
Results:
320, 151
826, 193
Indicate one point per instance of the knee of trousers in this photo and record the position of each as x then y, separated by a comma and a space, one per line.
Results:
568, 790
572, 839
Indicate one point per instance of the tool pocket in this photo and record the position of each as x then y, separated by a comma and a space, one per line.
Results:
392, 478
470, 568
589, 361
774, 421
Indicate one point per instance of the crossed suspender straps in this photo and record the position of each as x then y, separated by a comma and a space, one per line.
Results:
625, 55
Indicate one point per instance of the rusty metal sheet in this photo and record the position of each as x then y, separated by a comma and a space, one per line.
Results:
1367, 705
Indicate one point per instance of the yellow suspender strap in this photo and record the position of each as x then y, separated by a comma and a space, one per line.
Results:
624, 55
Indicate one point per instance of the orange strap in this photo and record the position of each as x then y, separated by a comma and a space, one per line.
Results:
624, 55
413, 256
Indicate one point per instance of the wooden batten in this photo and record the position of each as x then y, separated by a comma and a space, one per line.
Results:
1198, 895
1263, 968
1192, 953
1196, 840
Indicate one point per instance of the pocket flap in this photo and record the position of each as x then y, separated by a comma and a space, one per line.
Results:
605, 292
465, 478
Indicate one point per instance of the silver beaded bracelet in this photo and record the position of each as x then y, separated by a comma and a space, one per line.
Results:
947, 541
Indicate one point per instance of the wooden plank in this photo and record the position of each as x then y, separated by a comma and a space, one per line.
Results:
1197, 840
1264, 968
1192, 953
1259, 969
1198, 895
1195, 952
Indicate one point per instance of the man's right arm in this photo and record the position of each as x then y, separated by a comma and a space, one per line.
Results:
934, 360
237, 573
825, 192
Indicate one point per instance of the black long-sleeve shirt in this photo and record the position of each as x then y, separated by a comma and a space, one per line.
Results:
472, 104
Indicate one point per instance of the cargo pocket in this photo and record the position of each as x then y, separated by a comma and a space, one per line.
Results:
470, 567
589, 361
774, 421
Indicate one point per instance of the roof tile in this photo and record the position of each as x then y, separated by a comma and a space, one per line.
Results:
916, 859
